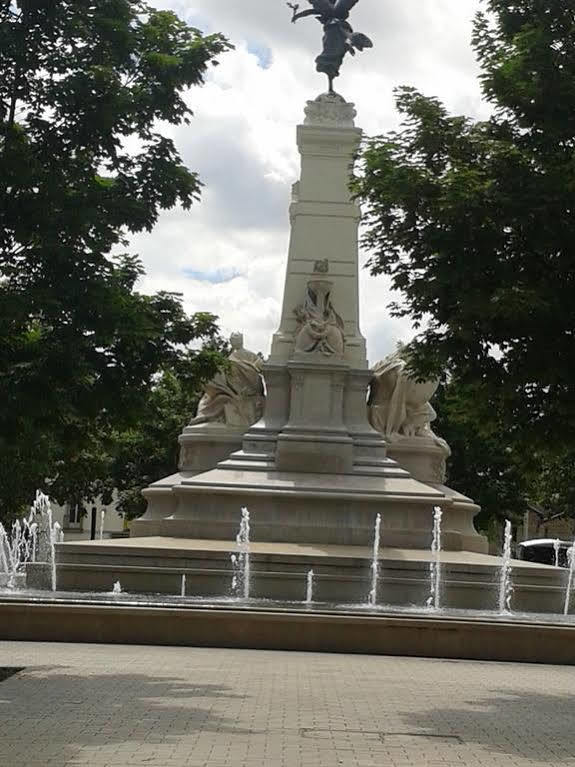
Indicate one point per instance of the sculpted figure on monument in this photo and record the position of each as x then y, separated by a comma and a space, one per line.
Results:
320, 328
399, 406
235, 396
338, 35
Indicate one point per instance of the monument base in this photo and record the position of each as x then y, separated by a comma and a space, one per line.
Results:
203, 447
423, 457
290, 507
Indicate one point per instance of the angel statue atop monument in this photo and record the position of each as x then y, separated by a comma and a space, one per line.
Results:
338, 35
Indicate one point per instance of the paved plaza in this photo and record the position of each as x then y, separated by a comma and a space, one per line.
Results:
120, 706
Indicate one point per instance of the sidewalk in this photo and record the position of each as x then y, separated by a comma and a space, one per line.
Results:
121, 706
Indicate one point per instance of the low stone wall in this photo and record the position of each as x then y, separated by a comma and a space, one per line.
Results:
312, 632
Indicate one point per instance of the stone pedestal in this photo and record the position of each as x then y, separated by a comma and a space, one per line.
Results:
203, 447
424, 458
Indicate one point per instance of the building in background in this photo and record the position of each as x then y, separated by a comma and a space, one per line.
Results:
76, 519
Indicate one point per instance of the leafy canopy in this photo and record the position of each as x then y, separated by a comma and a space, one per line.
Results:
84, 90
475, 223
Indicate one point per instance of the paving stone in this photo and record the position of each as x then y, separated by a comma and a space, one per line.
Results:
128, 706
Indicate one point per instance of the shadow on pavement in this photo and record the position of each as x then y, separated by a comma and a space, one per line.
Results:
48, 715
535, 726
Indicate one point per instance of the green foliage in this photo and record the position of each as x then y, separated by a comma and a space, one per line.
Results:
492, 465
474, 222
129, 459
150, 450
486, 468
84, 87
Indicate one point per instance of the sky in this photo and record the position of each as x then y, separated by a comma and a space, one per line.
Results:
227, 255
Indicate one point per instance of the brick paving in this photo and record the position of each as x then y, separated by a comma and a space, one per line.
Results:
122, 706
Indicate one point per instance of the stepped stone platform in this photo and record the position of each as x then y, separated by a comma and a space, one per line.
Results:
279, 570
314, 507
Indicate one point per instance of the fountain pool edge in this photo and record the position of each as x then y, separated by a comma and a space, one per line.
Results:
429, 636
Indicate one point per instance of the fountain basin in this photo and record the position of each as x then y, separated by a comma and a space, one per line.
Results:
433, 635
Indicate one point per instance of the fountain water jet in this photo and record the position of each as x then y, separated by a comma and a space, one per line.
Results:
56, 536
505, 580
434, 600
235, 574
372, 600
242, 562
556, 546
4, 551
571, 559
183, 586
309, 592
102, 520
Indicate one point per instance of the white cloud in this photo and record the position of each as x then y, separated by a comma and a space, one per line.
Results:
242, 142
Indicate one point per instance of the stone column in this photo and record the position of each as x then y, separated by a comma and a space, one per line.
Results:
324, 223
322, 426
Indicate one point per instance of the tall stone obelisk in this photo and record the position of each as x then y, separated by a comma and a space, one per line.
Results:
324, 223
319, 358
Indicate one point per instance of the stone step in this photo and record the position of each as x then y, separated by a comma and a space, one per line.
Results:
468, 581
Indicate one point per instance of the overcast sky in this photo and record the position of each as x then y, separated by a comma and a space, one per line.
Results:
227, 254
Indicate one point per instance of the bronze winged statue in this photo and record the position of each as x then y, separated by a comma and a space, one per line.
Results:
338, 35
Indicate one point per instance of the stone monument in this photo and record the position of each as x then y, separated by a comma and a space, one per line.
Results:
335, 448
313, 468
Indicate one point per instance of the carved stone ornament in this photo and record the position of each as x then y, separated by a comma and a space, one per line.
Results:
330, 110
320, 328
235, 396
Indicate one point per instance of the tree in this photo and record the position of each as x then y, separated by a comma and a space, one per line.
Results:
503, 476
84, 87
488, 468
128, 460
475, 223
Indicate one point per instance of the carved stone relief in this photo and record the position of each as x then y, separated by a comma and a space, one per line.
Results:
320, 328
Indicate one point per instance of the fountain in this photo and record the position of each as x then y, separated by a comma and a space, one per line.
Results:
309, 591
505, 581
258, 608
31, 540
8, 566
102, 521
434, 600
318, 450
372, 600
19, 552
